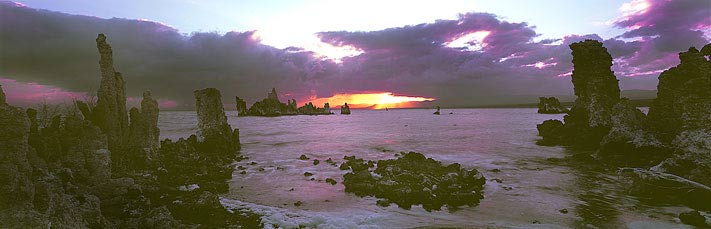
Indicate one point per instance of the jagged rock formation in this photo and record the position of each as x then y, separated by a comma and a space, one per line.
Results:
414, 179
212, 122
271, 106
241, 106
310, 109
598, 118
550, 105
143, 133
683, 96
61, 174
597, 91
110, 111
681, 115
674, 140
628, 135
345, 110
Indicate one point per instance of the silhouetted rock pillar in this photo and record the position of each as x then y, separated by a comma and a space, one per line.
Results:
150, 110
2, 96
110, 112
241, 105
345, 109
212, 122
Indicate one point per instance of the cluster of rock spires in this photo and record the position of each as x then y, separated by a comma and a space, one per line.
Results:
272, 106
98, 170
674, 138
550, 105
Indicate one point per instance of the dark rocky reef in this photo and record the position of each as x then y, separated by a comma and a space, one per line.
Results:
271, 106
414, 179
345, 109
62, 174
550, 105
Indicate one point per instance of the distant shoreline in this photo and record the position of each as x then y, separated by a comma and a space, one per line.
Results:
635, 102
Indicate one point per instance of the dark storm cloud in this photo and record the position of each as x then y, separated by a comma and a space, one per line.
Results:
59, 49
664, 29
507, 66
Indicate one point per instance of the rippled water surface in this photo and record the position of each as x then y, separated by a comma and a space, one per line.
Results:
537, 189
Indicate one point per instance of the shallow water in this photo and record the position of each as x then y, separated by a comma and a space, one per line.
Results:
535, 185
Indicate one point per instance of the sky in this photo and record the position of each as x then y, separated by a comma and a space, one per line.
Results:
451, 52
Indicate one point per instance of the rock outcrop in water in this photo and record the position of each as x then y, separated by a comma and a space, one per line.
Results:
345, 110
61, 174
271, 106
414, 179
599, 118
550, 105
241, 106
681, 115
677, 131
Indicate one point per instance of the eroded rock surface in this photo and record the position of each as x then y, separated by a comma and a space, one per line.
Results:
414, 179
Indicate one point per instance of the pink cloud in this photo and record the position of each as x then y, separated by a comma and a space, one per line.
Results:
32, 93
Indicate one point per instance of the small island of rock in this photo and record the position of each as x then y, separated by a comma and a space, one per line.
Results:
550, 105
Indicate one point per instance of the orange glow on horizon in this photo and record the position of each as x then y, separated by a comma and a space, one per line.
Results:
371, 100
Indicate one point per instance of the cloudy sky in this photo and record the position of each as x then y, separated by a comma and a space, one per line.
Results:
459, 53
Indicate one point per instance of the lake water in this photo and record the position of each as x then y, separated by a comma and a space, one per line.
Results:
536, 189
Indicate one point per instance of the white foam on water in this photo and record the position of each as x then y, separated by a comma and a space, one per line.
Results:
273, 217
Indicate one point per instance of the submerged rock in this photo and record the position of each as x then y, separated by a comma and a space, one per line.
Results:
345, 109
550, 105
693, 218
414, 179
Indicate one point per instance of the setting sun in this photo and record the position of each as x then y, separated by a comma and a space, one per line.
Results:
372, 100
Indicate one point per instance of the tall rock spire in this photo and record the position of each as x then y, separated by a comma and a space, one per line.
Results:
110, 112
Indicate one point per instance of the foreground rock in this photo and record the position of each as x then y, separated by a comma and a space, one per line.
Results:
203, 159
550, 105
61, 174
674, 141
271, 106
681, 116
414, 179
